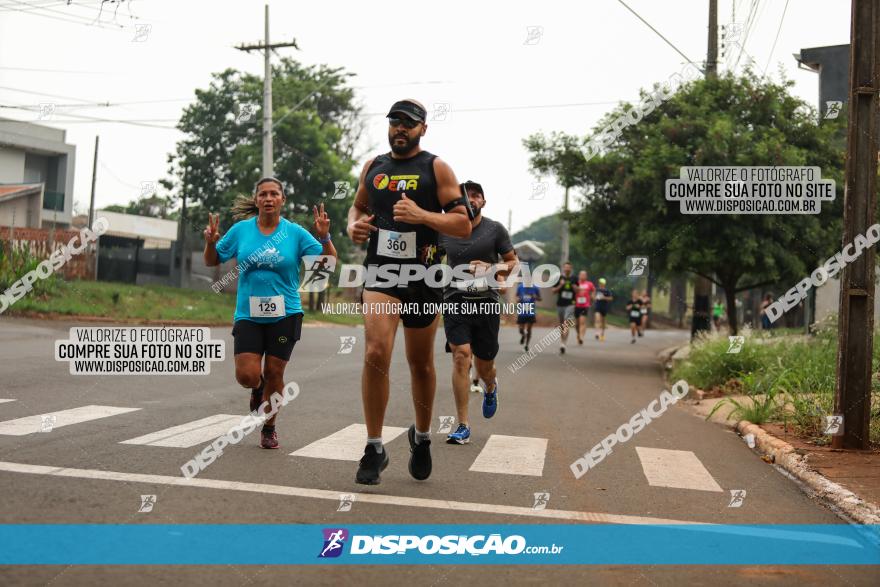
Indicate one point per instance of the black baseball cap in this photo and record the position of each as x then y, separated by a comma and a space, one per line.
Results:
410, 109
474, 185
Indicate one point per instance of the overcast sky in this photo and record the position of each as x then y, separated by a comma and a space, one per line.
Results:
500, 83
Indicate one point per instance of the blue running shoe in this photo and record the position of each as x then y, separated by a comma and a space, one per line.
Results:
462, 435
490, 402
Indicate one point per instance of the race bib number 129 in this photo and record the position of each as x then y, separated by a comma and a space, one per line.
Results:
267, 307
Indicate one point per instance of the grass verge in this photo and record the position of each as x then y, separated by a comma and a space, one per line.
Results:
785, 379
124, 302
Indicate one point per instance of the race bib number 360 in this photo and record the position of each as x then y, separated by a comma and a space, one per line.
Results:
267, 307
400, 245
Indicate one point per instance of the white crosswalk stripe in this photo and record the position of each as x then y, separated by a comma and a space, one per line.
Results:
346, 444
680, 469
34, 424
3, 401
189, 434
512, 455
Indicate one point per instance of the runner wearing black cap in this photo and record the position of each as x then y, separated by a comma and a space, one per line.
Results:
399, 211
474, 319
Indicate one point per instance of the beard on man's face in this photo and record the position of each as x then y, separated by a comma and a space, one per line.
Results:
401, 148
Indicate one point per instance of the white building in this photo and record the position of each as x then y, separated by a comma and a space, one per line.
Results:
36, 175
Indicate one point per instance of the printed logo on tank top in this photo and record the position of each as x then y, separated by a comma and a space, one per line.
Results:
396, 183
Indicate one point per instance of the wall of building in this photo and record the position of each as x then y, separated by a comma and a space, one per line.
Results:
828, 300
11, 165
21, 212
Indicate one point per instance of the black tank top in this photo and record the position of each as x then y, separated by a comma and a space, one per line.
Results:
386, 179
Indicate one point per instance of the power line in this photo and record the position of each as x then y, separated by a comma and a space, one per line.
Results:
778, 30
523, 107
33, 11
36, 69
748, 29
83, 117
668, 42
47, 95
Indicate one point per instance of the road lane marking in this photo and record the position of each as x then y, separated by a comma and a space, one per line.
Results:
680, 469
512, 455
32, 424
360, 498
3, 401
189, 434
346, 444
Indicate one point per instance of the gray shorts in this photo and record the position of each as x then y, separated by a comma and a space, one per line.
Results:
565, 313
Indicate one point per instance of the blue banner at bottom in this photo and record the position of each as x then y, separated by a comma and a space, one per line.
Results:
204, 544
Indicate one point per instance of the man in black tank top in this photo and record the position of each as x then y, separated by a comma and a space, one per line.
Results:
399, 212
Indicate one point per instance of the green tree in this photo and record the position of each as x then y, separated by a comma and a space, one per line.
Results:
153, 206
316, 127
737, 121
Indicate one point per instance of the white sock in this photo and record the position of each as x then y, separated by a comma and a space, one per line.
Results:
377, 443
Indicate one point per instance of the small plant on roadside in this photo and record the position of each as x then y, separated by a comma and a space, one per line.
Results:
759, 407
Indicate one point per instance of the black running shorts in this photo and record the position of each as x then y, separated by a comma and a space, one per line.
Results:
273, 338
416, 299
578, 312
478, 327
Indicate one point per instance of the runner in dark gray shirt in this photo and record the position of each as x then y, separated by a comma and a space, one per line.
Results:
472, 328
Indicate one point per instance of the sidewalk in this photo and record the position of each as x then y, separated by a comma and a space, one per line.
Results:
847, 480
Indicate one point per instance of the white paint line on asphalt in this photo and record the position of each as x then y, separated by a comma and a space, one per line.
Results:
3, 401
512, 455
680, 469
345, 445
189, 434
33, 424
360, 498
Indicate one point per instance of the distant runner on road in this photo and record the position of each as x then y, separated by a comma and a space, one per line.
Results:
528, 296
405, 199
565, 288
268, 314
473, 334
646, 312
604, 297
583, 299
634, 311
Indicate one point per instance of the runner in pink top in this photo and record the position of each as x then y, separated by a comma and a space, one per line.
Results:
582, 300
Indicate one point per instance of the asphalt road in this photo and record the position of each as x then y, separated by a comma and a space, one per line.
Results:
561, 405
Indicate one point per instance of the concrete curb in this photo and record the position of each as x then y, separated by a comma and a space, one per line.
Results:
784, 455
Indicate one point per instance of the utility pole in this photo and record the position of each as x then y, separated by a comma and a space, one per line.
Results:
183, 224
565, 228
92, 202
266, 48
852, 398
703, 286
712, 53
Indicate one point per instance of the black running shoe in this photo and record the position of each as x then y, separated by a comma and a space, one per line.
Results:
420, 456
372, 463
257, 395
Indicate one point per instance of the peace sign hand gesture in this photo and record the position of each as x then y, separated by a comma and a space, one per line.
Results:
322, 221
212, 232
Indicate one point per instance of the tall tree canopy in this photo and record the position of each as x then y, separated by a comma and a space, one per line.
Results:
732, 120
316, 127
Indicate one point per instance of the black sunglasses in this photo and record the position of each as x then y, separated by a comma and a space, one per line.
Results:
406, 122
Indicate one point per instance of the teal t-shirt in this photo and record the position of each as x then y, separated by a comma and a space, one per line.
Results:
268, 265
